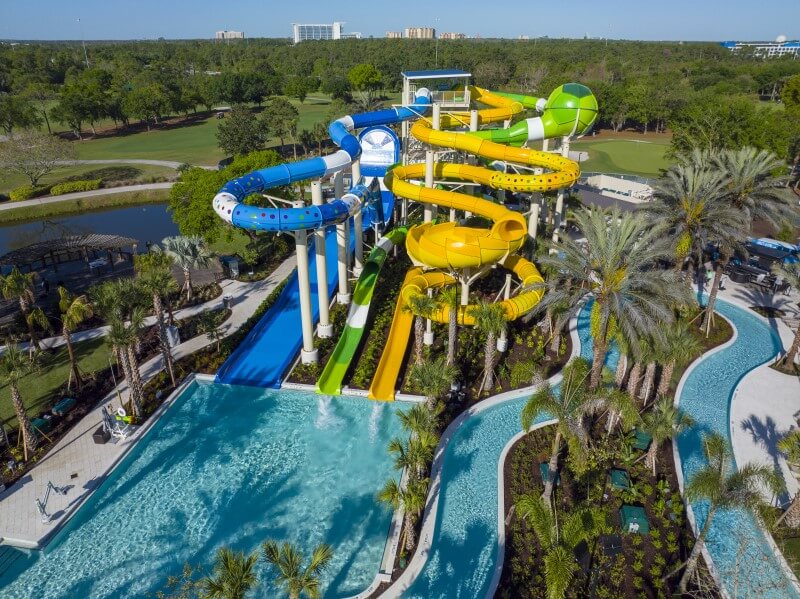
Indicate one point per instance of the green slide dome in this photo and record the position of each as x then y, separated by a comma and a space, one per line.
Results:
570, 110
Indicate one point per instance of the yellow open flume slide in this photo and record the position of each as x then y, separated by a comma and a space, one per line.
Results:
438, 249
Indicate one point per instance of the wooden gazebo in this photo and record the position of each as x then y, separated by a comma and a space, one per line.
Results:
72, 248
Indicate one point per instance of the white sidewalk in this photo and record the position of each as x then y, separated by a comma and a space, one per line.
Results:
766, 403
80, 464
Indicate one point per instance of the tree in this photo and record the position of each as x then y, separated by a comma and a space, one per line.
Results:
71, 109
280, 118
233, 575
411, 499
366, 79
662, 423
187, 253
790, 94
74, 310
569, 407
14, 365
16, 112
298, 87
791, 274
689, 204
240, 132
489, 321
293, 577
319, 134
491, 74
433, 378
422, 306
34, 154
724, 487
618, 267
147, 102
155, 276
679, 346
18, 286
559, 539
210, 326
450, 297
42, 94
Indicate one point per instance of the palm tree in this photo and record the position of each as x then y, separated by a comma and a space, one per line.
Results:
295, 578
209, 325
187, 253
559, 538
422, 306
74, 310
19, 286
791, 274
411, 499
490, 321
649, 358
155, 277
617, 267
234, 575
14, 365
433, 378
122, 336
569, 407
678, 347
663, 422
423, 424
451, 298
725, 488
413, 455
621, 407
689, 203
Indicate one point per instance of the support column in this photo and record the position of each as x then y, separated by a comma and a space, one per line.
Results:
308, 354
427, 337
473, 126
358, 226
465, 287
355, 172
559, 212
533, 221
324, 328
343, 296
427, 208
502, 340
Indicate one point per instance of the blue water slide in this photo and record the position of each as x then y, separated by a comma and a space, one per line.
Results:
228, 202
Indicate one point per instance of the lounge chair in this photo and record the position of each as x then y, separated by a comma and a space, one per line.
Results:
116, 424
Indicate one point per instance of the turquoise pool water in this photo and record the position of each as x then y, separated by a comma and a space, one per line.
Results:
464, 552
736, 543
231, 466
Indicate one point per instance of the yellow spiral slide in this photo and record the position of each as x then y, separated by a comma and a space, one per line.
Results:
439, 249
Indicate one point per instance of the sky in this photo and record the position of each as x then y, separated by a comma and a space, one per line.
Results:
713, 20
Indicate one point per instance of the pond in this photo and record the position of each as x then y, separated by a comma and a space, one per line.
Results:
149, 222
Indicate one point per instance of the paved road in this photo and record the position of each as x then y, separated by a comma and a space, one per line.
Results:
85, 194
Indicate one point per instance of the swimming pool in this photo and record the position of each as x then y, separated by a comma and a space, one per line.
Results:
738, 547
464, 551
228, 466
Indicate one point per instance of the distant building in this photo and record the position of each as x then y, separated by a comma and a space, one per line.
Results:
452, 36
229, 35
420, 33
394, 35
302, 32
766, 49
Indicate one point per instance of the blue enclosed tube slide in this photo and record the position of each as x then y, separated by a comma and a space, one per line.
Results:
228, 202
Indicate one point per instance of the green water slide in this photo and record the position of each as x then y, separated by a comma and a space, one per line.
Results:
330, 381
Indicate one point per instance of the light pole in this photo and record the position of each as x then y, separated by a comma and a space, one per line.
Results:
83, 43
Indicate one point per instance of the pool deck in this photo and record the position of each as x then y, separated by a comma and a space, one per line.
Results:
79, 464
766, 403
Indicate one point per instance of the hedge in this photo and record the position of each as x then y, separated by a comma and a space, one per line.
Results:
26, 192
74, 186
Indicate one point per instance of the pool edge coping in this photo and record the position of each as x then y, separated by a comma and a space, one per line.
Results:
781, 560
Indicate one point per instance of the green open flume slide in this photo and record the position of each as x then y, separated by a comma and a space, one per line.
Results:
330, 381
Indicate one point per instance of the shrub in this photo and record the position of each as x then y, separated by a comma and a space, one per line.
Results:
73, 186
26, 192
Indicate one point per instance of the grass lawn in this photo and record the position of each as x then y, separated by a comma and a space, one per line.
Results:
135, 173
625, 156
39, 390
194, 143
235, 245
39, 211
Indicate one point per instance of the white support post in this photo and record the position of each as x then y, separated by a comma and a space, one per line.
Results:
465, 287
533, 221
427, 337
308, 354
428, 209
559, 212
502, 340
355, 172
343, 297
358, 226
324, 328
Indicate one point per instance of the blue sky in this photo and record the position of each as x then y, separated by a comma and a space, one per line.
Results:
628, 19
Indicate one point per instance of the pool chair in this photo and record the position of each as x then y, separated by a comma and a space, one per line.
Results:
116, 425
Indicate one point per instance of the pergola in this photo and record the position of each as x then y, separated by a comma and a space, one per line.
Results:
53, 252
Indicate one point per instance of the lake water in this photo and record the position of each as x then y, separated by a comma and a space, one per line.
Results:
150, 222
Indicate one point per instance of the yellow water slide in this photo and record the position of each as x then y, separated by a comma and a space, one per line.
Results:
440, 249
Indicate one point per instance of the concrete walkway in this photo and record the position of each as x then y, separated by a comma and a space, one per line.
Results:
766, 403
165, 163
78, 463
85, 194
